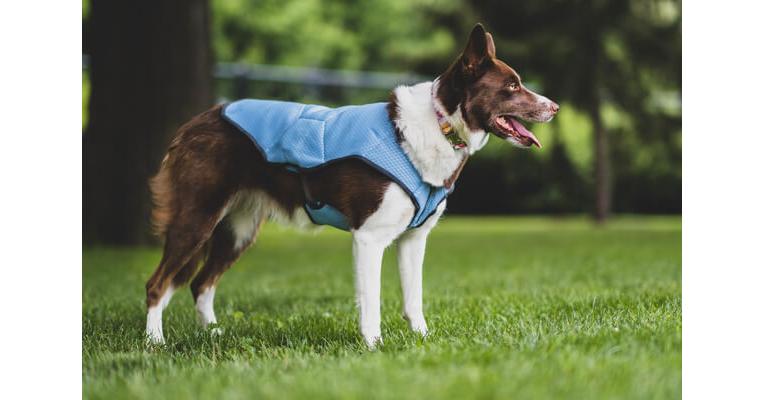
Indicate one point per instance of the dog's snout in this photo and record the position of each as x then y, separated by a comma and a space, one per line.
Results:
554, 107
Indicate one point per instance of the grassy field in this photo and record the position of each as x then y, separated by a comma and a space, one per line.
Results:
520, 308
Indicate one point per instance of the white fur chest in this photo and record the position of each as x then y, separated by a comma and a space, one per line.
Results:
430, 152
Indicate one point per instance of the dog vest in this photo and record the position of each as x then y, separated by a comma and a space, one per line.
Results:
302, 136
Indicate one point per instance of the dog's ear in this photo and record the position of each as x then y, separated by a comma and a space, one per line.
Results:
480, 49
490, 46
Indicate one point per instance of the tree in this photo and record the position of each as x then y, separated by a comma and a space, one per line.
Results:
150, 68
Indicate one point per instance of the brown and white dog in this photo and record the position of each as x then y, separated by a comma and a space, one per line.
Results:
214, 189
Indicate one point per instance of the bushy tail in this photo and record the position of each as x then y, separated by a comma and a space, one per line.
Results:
162, 195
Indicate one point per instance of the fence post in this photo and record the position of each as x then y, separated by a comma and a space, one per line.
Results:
240, 85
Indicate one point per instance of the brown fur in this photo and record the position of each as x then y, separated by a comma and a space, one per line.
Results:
222, 254
161, 194
392, 113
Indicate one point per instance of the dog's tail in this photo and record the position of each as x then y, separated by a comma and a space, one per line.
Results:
162, 196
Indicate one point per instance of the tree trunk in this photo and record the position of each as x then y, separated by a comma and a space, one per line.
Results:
150, 68
603, 189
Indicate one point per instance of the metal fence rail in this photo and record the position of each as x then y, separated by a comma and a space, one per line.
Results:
308, 75
315, 76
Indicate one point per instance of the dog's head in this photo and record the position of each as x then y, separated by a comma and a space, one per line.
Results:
490, 94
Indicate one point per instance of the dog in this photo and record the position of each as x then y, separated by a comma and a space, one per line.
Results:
215, 186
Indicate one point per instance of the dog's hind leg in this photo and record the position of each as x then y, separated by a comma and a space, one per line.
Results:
184, 240
154, 318
189, 270
231, 237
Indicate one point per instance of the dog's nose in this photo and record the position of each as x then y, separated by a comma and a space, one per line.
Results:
555, 107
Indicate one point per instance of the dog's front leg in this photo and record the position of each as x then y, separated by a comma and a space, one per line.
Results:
367, 254
410, 259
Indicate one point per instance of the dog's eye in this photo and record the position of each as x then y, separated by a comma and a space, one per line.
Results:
513, 86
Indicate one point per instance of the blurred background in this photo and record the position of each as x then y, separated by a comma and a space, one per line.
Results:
614, 66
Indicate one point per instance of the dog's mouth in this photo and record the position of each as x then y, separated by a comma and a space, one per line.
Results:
509, 128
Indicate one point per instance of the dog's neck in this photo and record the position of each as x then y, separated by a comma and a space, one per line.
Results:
432, 154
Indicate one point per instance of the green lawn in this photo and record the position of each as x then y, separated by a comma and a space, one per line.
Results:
520, 308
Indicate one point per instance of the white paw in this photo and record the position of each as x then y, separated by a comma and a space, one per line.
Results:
154, 326
154, 337
205, 318
373, 341
216, 331
418, 324
420, 328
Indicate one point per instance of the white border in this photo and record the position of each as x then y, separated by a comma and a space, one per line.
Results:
723, 168
40, 160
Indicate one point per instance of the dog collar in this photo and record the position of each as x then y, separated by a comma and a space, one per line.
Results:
445, 125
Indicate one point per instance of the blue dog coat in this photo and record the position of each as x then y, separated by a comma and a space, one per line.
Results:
303, 136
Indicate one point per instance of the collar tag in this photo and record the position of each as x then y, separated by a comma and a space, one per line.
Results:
454, 138
445, 126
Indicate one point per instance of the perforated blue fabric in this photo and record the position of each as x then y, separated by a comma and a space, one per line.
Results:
308, 136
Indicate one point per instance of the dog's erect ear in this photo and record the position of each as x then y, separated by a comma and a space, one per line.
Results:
490, 46
479, 49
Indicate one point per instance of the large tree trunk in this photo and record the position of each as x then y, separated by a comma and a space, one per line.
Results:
150, 68
603, 187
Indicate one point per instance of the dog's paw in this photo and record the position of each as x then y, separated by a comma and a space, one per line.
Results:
373, 341
420, 328
417, 324
205, 319
215, 330
154, 338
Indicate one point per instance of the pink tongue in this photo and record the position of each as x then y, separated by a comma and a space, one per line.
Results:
523, 131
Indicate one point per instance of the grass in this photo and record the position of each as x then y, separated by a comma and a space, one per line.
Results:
517, 307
